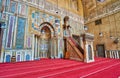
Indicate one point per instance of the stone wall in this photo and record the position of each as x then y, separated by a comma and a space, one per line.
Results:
109, 27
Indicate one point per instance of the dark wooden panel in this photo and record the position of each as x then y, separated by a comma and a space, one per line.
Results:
1, 36
101, 50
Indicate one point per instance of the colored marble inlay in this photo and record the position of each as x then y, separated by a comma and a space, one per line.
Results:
18, 58
33, 15
22, 9
0, 4
29, 43
8, 58
27, 57
0, 15
13, 7
7, 3
11, 24
20, 33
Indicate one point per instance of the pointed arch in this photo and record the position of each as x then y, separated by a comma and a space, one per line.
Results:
49, 25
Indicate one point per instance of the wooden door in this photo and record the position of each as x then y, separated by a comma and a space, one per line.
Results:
101, 50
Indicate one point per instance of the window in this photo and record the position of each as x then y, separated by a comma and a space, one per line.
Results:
97, 22
74, 4
101, 0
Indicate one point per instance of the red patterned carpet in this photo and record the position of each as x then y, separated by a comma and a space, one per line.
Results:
59, 68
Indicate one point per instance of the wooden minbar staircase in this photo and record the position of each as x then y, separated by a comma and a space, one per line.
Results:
75, 51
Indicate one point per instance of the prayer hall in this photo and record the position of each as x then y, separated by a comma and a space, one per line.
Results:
59, 38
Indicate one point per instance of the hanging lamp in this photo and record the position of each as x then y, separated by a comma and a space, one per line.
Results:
57, 7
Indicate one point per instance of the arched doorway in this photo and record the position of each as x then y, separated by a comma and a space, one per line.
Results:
89, 52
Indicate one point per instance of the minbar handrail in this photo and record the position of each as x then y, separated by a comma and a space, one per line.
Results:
75, 49
77, 45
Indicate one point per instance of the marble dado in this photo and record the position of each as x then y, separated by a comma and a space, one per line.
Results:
52, 8
20, 55
108, 10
